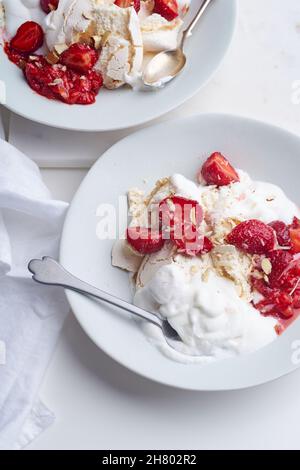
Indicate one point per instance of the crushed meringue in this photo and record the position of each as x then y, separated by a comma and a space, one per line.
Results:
207, 299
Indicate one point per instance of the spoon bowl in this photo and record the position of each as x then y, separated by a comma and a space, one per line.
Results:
166, 65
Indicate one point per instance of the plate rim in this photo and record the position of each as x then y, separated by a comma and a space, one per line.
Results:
145, 120
71, 296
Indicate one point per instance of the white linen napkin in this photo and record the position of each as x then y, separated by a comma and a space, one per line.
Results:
31, 315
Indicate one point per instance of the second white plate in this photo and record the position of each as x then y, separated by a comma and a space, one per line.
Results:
266, 152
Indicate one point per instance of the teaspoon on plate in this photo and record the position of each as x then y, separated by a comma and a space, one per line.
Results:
168, 64
47, 271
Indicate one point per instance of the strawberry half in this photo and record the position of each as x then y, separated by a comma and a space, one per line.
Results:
175, 211
167, 8
218, 171
79, 57
253, 237
181, 218
29, 38
49, 5
129, 3
145, 240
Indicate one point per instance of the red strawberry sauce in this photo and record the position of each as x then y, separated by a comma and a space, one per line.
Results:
56, 82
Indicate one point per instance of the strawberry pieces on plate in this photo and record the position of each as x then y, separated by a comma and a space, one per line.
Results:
129, 3
218, 171
180, 218
253, 237
280, 260
280, 289
29, 38
174, 211
79, 57
167, 8
58, 82
49, 5
288, 235
145, 240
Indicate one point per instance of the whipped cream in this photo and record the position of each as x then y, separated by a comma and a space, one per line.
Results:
210, 317
207, 299
19, 11
248, 200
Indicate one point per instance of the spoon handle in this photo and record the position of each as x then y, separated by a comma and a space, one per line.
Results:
188, 32
49, 272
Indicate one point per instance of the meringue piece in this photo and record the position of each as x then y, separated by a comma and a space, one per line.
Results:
234, 265
18, 12
122, 52
152, 263
123, 257
159, 34
63, 25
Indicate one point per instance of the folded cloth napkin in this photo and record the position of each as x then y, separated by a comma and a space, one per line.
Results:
31, 315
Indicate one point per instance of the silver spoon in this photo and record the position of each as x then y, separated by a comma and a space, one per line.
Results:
168, 64
49, 272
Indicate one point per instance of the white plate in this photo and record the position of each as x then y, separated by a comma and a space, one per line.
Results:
266, 152
124, 108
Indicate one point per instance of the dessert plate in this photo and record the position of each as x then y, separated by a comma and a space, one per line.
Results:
124, 107
175, 147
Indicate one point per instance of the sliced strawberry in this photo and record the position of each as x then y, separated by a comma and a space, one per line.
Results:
29, 38
280, 260
145, 240
282, 233
129, 3
190, 244
79, 57
167, 8
49, 5
218, 171
175, 211
180, 218
253, 237
58, 83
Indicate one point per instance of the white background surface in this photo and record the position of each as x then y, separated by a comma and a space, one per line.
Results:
99, 404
